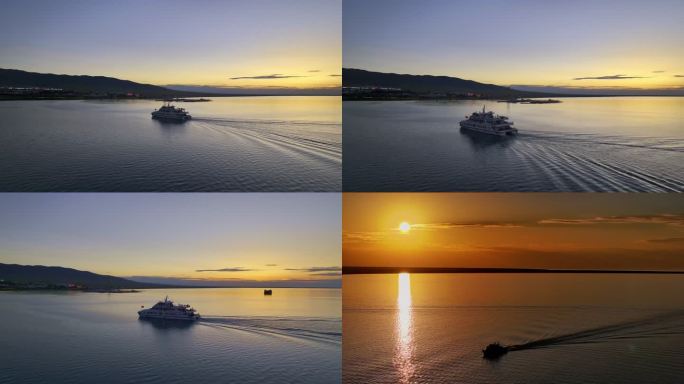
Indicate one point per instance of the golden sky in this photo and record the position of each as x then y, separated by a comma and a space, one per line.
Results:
213, 237
251, 44
511, 230
608, 43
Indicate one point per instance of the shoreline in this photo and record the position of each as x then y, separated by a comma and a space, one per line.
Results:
395, 270
497, 99
136, 290
151, 98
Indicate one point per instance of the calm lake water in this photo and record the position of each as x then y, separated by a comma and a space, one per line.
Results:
430, 328
293, 336
232, 144
581, 144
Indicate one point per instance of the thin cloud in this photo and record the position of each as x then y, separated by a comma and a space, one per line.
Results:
658, 71
678, 75
313, 70
230, 269
435, 226
266, 77
271, 265
335, 75
375, 236
316, 269
666, 219
316, 282
363, 237
609, 77
667, 240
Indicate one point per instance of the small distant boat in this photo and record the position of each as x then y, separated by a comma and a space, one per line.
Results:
166, 310
494, 351
489, 123
169, 112
268, 292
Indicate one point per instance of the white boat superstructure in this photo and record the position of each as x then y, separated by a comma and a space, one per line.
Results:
489, 123
169, 112
168, 311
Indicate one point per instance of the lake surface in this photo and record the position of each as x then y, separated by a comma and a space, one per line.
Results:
232, 144
581, 144
293, 336
430, 328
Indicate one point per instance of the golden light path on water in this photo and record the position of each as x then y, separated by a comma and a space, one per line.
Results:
404, 330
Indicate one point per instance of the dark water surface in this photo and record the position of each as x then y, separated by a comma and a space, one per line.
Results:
293, 336
232, 144
576, 328
581, 144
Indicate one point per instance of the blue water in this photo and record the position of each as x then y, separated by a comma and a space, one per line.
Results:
232, 144
600, 144
293, 336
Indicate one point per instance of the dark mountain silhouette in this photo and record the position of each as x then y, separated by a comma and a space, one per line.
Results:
84, 84
39, 274
426, 84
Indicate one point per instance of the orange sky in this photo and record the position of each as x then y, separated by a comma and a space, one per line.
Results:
529, 230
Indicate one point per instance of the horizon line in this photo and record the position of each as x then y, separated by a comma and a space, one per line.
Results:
359, 270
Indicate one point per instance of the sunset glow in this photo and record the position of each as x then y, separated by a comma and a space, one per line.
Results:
514, 230
234, 44
585, 44
404, 329
209, 239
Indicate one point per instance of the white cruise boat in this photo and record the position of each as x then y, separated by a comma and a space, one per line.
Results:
489, 123
168, 311
169, 112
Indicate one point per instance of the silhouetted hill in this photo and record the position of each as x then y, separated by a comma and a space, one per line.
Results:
38, 274
425, 84
84, 84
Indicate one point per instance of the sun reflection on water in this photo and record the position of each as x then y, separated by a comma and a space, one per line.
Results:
404, 329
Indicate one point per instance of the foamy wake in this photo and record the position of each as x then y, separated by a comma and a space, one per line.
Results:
322, 140
312, 329
664, 324
587, 162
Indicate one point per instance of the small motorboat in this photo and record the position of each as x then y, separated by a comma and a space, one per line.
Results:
494, 351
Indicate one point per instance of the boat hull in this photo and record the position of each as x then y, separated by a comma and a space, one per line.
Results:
165, 116
167, 316
510, 131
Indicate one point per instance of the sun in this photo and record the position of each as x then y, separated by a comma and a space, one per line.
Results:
404, 227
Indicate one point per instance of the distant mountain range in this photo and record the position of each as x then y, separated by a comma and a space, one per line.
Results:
274, 91
59, 276
17, 276
426, 84
607, 91
83, 84
93, 86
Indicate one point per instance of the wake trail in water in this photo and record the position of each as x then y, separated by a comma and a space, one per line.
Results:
311, 329
671, 323
306, 138
588, 162
671, 144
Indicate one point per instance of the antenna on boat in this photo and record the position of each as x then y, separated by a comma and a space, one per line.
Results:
483, 109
